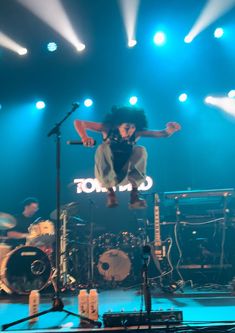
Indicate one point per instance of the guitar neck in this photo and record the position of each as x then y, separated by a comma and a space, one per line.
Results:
157, 231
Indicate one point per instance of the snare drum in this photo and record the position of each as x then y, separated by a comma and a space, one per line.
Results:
24, 269
41, 234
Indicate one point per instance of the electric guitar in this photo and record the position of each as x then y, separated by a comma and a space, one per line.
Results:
160, 249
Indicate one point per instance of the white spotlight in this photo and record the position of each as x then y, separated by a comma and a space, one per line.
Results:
129, 9
224, 103
54, 15
212, 10
80, 47
188, 39
10, 44
22, 51
209, 100
132, 43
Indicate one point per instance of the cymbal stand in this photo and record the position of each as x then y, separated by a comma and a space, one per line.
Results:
66, 278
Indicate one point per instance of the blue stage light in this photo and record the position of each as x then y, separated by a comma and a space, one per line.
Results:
183, 97
40, 105
231, 93
159, 38
218, 33
52, 47
88, 102
133, 100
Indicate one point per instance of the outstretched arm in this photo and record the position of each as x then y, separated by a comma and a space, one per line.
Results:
170, 129
82, 127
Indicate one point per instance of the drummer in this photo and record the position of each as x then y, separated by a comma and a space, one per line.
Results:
18, 234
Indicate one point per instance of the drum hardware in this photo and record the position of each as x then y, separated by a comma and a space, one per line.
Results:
42, 235
71, 208
7, 221
57, 304
67, 279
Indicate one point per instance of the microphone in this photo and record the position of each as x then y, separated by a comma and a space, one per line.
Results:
75, 105
71, 142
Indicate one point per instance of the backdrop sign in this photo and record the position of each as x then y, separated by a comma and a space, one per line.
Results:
89, 185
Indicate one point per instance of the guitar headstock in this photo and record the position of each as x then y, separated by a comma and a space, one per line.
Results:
156, 199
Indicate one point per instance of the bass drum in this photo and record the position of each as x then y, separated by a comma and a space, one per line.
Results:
24, 269
114, 265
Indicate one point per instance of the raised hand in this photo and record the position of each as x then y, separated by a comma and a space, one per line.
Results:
172, 127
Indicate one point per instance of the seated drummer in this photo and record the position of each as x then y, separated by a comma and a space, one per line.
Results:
18, 234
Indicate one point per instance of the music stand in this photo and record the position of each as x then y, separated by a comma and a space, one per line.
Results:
58, 304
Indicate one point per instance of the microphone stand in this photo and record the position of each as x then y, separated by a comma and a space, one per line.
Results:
146, 286
58, 304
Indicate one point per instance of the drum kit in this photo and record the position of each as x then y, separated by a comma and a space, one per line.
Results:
27, 267
106, 260
117, 258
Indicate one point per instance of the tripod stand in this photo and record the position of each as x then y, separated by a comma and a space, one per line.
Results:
57, 304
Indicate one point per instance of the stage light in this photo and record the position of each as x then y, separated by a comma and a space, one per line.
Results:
218, 33
132, 43
183, 97
224, 103
209, 14
80, 47
40, 105
159, 38
188, 39
54, 15
52, 47
133, 100
10, 44
231, 94
209, 100
88, 102
129, 10
0, 106
22, 51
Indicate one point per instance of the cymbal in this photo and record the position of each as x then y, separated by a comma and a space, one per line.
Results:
7, 221
76, 219
70, 208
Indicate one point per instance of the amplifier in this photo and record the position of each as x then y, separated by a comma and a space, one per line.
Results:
123, 319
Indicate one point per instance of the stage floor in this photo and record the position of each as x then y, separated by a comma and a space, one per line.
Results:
204, 307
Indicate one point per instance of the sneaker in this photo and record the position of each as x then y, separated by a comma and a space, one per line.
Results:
111, 200
135, 201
